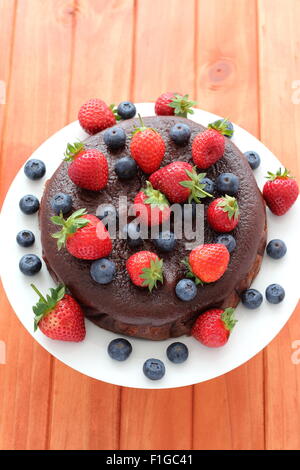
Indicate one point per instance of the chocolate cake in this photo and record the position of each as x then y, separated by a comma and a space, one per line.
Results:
121, 306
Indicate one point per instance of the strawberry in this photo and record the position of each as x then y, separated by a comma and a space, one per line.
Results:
89, 167
59, 316
145, 269
207, 263
280, 192
95, 115
213, 327
152, 206
179, 182
207, 148
223, 214
171, 103
147, 148
84, 235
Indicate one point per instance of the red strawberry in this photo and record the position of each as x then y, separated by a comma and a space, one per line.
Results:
223, 214
59, 316
147, 148
84, 235
207, 148
179, 182
152, 206
95, 115
207, 263
280, 192
145, 269
171, 103
89, 168
214, 326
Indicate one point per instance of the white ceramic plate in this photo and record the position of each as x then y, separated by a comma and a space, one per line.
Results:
255, 329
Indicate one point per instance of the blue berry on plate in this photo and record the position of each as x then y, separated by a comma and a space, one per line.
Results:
177, 352
253, 159
29, 204
275, 293
276, 248
252, 298
132, 232
186, 290
25, 238
103, 270
115, 138
227, 240
126, 168
180, 133
107, 213
119, 349
30, 264
126, 110
228, 183
165, 242
34, 169
209, 185
154, 369
61, 202
224, 126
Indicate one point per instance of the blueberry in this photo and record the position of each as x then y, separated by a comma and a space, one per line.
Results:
29, 204
61, 202
154, 369
177, 352
253, 159
165, 242
275, 293
180, 133
227, 183
115, 138
186, 290
228, 130
126, 110
126, 168
132, 231
209, 185
107, 213
227, 240
103, 270
34, 169
30, 264
25, 238
252, 298
119, 349
276, 248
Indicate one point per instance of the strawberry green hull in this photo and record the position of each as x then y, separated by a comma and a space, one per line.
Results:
125, 308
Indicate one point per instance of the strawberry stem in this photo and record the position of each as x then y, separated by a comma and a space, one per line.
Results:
38, 293
182, 105
69, 226
228, 318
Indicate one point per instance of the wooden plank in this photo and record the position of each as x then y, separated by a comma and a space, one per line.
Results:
160, 419
101, 67
227, 85
280, 116
36, 107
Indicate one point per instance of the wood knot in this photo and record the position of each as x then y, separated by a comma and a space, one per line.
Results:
219, 74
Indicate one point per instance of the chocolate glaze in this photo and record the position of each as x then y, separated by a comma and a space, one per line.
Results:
124, 308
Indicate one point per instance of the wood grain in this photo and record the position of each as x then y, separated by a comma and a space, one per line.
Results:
239, 61
279, 38
91, 418
35, 108
157, 415
224, 86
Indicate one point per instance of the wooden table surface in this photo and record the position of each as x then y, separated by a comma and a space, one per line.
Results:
237, 58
